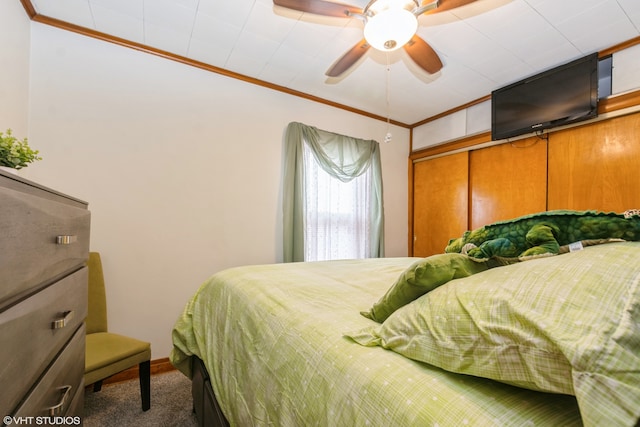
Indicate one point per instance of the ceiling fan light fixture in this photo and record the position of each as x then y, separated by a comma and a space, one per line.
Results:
390, 29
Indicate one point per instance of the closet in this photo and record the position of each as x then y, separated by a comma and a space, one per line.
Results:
593, 166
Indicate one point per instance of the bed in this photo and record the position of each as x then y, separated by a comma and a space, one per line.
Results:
552, 341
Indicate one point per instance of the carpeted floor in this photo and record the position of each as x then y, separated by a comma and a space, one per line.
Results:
119, 404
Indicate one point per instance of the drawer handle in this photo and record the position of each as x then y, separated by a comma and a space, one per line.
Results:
66, 240
62, 322
59, 408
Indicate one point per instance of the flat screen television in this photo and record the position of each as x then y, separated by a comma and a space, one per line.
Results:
556, 97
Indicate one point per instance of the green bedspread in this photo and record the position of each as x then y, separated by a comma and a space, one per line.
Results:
566, 324
271, 337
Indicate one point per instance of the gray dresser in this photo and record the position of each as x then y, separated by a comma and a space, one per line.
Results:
44, 244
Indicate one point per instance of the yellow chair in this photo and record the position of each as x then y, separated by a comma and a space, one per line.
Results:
106, 353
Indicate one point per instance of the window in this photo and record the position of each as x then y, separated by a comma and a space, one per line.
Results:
332, 197
337, 222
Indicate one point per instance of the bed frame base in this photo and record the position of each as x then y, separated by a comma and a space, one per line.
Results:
205, 405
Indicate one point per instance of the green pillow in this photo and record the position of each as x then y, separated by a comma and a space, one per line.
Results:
564, 324
421, 277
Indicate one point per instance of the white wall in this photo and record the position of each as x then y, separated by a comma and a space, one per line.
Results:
181, 168
14, 68
625, 76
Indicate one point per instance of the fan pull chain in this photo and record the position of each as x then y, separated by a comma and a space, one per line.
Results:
387, 137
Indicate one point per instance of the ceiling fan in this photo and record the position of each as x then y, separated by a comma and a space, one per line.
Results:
388, 25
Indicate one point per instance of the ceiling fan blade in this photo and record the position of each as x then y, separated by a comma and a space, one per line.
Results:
348, 59
319, 7
423, 55
444, 5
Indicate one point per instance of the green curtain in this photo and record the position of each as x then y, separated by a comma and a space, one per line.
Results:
340, 156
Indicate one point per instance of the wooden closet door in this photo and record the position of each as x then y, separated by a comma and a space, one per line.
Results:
507, 181
596, 166
440, 202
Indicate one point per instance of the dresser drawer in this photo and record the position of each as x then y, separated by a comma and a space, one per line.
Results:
56, 392
76, 407
41, 239
38, 328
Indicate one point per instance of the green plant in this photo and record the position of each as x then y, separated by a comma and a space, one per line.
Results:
15, 153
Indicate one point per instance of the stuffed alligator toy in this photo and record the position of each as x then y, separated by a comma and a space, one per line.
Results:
506, 242
544, 233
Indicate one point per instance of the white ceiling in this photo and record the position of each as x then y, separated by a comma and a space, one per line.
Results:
483, 46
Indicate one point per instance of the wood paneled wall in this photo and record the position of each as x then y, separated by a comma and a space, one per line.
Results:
507, 181
596, 166
440, 197
593, 166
